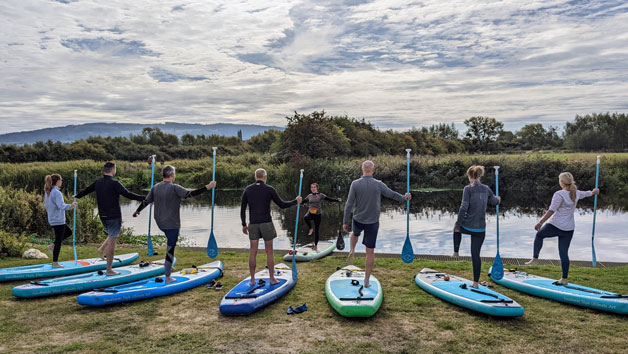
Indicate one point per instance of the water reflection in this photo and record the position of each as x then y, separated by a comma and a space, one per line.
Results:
431, 221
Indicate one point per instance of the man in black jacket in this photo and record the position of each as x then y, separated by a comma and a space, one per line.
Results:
108, 192
258, 197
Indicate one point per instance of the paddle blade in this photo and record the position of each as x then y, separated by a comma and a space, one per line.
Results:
497, 272
407, 253
294, 267
340, 242
150, 246
212, 246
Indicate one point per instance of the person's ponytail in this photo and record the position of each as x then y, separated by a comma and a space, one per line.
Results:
51, 180
475, 172
567, 179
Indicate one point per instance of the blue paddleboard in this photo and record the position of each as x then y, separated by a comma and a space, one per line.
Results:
45, 270
571, 294
145, 289
89, 281
244, 299
459, 292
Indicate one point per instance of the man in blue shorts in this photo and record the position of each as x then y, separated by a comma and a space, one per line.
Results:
364, 201
108, 192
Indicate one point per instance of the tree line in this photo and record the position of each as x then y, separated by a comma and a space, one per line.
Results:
318, 135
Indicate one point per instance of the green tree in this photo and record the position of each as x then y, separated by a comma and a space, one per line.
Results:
483, 131
313, 135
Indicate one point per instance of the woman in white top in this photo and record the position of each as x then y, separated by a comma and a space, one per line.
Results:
562, 223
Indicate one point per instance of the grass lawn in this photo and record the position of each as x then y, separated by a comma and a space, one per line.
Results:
409, 321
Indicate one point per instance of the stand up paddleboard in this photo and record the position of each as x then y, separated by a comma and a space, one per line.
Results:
145, 289
244, 299
46, 270
571, 294
89, 281
306, 253
459, 292
347, 295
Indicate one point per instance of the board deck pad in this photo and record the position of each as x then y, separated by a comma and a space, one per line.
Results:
154, 287
573, 294
458, 291
245, 290
343, 288
45, 270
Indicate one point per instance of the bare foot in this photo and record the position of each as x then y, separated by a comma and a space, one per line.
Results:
170, 280
456, 254
274, 281
475, 285
350, 257
51, 247
101, 254
532, 261
315, 249
57, 265
252, 282
309, 233
367, 285
112, 273
563, 281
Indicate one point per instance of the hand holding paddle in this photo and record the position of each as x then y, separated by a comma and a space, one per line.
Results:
212, 246
407, 253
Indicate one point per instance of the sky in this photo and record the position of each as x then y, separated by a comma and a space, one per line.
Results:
396, 63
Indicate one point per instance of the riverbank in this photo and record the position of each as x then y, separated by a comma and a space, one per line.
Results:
409, 321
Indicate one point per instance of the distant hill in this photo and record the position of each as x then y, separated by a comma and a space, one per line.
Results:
70, 133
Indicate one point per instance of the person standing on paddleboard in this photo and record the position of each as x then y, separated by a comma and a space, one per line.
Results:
108, 191
364, 201
561, 222
472, 217
314, 201
258, 197
167, 199
56, 208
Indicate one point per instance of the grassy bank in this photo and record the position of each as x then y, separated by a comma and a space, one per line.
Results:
409, 321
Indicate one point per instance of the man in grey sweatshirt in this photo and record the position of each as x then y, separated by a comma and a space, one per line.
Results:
364, 201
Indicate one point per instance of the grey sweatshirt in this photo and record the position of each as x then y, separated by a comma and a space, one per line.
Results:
365, 200
167, 199
472, 213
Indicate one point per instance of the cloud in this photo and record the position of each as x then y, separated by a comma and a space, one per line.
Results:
396, 63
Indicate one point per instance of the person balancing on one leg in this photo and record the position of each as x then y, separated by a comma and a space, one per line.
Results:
315, 200
167, 199
258, 197
108, 192
364, 201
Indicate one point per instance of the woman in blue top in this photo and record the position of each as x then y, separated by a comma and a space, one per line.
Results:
472, 217
56, 207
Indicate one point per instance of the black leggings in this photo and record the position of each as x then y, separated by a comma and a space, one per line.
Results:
61, 233
173, 236
564, 240
477, 239
308, 218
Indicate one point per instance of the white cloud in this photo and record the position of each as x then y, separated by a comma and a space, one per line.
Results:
395, 63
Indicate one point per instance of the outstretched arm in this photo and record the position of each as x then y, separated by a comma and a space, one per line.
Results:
86, 191
144, 203
125, 192
281, 203
389, 193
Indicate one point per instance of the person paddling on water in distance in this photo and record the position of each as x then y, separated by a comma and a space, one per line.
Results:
56, 208
315, 199
258, 197
167, 199
561, 222
364, 201
108, 191
472, 217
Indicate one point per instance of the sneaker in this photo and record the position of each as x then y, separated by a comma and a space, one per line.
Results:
456, 254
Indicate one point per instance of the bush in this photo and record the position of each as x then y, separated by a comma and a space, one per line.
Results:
12, 245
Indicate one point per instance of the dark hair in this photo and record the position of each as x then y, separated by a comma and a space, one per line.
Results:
51, 180
109, 166
168, 171
475, 171
314, 184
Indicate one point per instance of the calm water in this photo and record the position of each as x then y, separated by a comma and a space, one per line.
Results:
432, 216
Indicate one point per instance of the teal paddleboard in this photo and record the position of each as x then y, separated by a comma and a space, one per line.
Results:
571, 294
45, 270
89, 281
458, 291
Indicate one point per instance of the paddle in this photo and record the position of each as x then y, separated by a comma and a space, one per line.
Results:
597, 177
296, 228
340, 242
150, 208
74, 222
212, 246
407, 253
497, 272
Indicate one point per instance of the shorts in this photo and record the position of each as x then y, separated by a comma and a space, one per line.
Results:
264, 230
113, 226
370, 232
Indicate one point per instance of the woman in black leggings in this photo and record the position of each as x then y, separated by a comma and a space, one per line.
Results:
315, 199
56, 208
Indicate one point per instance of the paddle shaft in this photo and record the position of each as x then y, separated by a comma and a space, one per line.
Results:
597, 178
296, 228
74, 222
213, 189
150, 207
408, 191
497, 206
212, 247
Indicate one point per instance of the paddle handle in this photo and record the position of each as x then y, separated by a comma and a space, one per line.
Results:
497, 206
213, 189
597, 178
150, 207
74, 221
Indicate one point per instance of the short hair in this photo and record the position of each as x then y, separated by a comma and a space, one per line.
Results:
260, 173
109, 167
368, 165
168, 171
